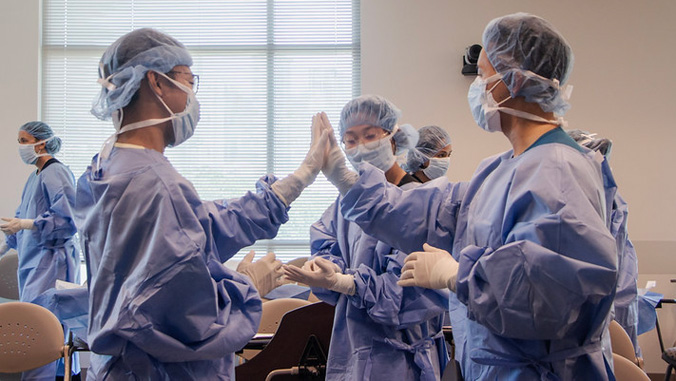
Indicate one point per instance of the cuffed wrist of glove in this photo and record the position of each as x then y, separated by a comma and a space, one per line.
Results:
337, 172
262, 284
345, 182
289, 188
444, 273
306, 173
452, 282
341, 177
344, 284
26, 224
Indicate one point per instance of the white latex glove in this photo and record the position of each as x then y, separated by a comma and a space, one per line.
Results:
266, 273
432, 268
289, 188
13, 225
321, 273
334, 167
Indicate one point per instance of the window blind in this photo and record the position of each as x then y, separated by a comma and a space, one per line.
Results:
265, 67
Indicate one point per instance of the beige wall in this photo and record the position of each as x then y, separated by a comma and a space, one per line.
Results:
623, 81
20, 46
411, 52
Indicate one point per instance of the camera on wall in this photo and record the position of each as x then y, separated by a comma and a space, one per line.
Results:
470, 59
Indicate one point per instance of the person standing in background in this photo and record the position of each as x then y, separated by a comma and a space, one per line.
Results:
43, 227
431, 157
626, 299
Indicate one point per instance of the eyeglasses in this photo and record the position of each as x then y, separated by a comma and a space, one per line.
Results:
194, 80
443, 154
351, 140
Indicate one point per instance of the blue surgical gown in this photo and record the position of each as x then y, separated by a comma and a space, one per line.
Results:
383, 331
161, 303
47, 252
537, 263
626, 299
70, 306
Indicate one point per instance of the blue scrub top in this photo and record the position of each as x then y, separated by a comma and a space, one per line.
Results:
557, 135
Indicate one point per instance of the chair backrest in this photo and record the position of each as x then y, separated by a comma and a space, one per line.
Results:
289, 343
621, 342
9, 283
30, 336
273, 311
625, 370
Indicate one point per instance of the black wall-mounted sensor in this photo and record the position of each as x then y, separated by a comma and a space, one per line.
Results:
470, 59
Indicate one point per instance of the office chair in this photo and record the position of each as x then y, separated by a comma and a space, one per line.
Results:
625, 370
668, 354
273, 311
298, 349
9, 283
30, 337
621, 343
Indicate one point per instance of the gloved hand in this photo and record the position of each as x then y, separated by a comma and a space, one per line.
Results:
289, 188
320, 272
432, 268
334, 167
13, 225
266, 273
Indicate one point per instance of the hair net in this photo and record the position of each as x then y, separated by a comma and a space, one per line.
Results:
432, 140
125, 63
41, 131
375, 110
533, 58
592, 142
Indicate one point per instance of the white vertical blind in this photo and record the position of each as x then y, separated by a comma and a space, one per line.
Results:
265, 67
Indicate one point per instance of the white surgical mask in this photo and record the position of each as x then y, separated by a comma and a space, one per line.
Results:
27, 151
183, 123
378, 153
437, 167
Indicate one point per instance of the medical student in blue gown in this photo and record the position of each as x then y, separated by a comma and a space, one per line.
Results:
431, 156
161, 303
533, 267
42, 229
626, 298
380, 330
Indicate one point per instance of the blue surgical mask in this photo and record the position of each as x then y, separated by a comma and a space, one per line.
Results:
485, 109
437, 167
378, 153
183, 123
27, 151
